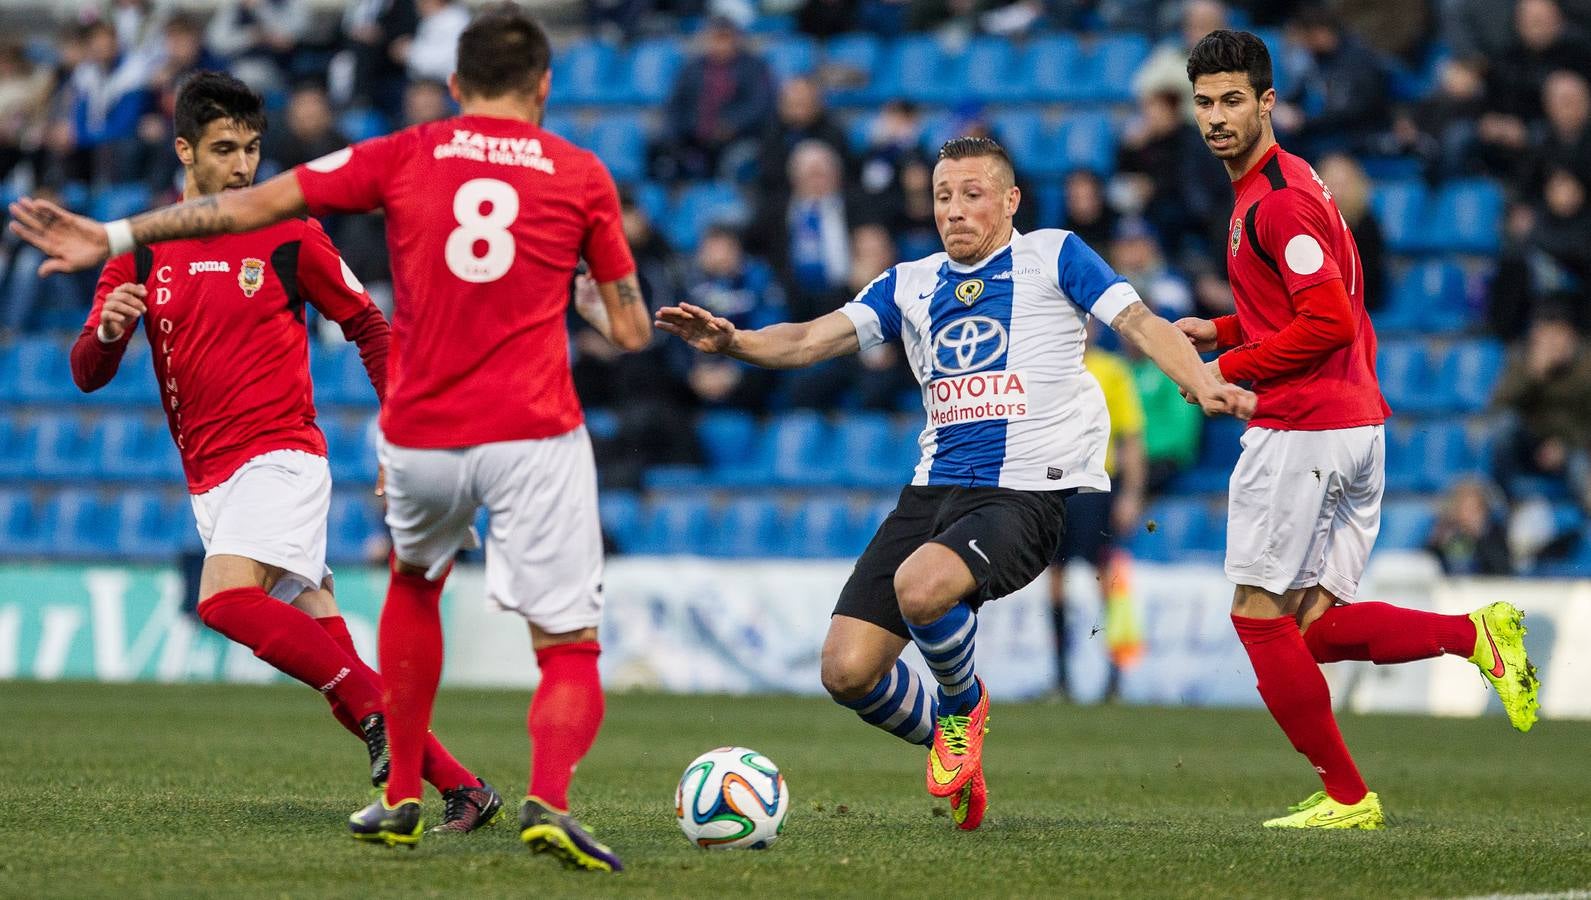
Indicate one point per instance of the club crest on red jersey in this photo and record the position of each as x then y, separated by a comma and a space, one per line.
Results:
252, 277
1237, 235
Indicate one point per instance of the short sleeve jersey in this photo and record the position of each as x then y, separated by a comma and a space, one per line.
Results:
1287, 235
487, 219
998, 349
231, 353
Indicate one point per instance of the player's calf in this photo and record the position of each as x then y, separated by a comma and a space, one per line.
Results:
899, 703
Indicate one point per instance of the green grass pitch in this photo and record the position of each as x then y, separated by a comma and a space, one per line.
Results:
241, 792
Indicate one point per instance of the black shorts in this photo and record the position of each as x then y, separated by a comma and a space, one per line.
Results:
1006, 538
1088, 535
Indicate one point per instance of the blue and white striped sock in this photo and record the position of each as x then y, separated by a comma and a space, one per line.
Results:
900, 704
946, 645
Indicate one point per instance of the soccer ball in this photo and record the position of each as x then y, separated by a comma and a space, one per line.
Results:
731, 797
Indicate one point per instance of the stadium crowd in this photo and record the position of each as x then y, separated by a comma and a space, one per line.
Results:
763, 191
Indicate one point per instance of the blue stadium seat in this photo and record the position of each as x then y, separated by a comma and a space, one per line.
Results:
349, 453
584, 73
729, 439
1428, 296
567, 127
68, 449
920, 67
1467, 217
1471, 371
1103, 71
27, 524
861, 68
1049, 62
766, 23
675, 525
621, 518
620, 140
354, 520
44, 372
802, 450
700, 205
789, 55
749, 527
1405, 524
138, 447
87, 524
651, 66
824, 528
362, 124
1400, 207
1406, 376
8, 372
1427, 454
154, 526
995, 72
864, 451
652, 198
1022, 135
1219, 448
19, 447
1178, 527
118, 201
1086, 141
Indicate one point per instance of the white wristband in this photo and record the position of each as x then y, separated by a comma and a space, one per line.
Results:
120, 235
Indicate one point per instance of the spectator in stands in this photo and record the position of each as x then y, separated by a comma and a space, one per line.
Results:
878, 376
24, 93
1547, 388
1340, 101
827, 18
894, 141
801, 117
742, 289
1212, 292
1350, 187
1134, 253
1441, 129
368, 72
1469, 536
109, 93
1561, 239
257, 38
1544, 42
307, 131
1086, 213
432, 53
1163, 175
718, 105
1166, 69
140, 26
1476, 30
913, 228
426, 101
805, 233
184, 55
1565, 142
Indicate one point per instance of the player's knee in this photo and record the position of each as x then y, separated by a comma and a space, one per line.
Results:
922, 596
847, 674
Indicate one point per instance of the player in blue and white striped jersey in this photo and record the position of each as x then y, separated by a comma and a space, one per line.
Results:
993, 329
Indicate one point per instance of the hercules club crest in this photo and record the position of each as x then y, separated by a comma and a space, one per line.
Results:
252, 277
968, 292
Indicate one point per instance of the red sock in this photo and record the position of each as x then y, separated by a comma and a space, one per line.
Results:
1295, 692
438, 768
564, 717
410, 646
1383, 633
288, 639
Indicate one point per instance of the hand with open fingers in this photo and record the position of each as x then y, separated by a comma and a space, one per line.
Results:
120, 311
71, 242
1201, 333
697, 327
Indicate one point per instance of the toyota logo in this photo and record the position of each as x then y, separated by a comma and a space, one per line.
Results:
969, 344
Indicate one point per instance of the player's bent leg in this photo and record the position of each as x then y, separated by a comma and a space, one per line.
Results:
862, 670
930, 587
1293, 689
1499, 653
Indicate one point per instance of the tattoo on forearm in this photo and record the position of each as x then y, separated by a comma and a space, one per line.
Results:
195, 218
628, 293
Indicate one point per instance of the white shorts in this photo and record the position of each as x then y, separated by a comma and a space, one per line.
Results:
272, 510
544, 543
1304, 508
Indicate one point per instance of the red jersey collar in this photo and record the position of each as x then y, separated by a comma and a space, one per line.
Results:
1255, 171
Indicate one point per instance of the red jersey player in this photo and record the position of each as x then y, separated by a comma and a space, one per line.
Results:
226, 320
487, 218
1305, 498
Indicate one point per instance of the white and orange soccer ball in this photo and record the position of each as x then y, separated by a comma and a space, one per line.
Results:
731, 798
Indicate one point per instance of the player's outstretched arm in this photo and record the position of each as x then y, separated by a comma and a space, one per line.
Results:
73, 243
1169, 348
616, 310
788, 345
